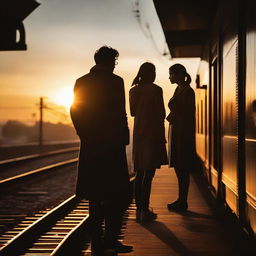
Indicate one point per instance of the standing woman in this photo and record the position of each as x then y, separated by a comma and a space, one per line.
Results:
181, 142
149, 151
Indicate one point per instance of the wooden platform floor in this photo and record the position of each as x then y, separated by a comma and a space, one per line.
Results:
194, 233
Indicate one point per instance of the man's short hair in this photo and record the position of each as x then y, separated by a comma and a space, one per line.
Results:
105, 55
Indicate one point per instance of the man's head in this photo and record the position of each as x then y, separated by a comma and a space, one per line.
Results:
106, 56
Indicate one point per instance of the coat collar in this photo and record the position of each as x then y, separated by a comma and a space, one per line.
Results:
100, 68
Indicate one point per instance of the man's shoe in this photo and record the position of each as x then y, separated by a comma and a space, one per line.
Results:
177, 206
148, 215
118, 247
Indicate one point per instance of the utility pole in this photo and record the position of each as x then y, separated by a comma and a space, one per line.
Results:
40, 137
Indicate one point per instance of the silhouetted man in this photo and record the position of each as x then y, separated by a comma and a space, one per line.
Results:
99, 116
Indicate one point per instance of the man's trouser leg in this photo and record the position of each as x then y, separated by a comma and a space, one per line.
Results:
183, 182
96, 217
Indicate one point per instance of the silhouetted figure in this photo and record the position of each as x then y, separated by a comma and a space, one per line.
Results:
181, 144
99, 116
149, 151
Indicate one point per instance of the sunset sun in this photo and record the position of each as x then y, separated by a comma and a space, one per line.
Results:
64, 96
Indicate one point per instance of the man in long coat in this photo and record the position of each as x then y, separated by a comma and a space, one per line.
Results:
99, 116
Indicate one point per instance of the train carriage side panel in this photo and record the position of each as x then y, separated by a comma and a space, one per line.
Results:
201, 113
250, 130
229, 108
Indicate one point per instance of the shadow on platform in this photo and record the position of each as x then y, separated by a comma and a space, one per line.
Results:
161, 231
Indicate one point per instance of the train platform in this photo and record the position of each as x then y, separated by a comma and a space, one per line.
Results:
198, 232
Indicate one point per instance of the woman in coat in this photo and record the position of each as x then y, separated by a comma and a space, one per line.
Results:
181, 144
149, 151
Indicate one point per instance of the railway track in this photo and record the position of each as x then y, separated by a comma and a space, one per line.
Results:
11, 174
63, 230
16, 160
47, 233
21, 177
19, 185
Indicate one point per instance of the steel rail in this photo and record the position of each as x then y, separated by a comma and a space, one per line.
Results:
20, 159
31, 173
26, 236
60, 249
54, 233
65, 247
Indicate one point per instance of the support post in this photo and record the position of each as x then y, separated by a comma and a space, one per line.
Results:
40, 135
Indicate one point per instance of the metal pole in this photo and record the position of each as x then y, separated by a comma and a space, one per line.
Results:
40, 138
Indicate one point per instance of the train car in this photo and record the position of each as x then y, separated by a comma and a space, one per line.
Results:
223, 35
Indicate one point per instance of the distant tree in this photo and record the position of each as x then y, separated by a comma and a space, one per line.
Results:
14, 129
58, 131
51, 132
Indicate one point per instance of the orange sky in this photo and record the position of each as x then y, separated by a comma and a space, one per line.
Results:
62, 36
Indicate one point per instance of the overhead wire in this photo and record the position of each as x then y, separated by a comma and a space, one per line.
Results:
56, 112
145, 28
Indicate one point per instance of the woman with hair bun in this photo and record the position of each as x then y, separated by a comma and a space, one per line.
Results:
181, 139
149, 151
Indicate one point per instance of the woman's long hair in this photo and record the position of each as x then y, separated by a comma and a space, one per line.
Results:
181, 70
146, 74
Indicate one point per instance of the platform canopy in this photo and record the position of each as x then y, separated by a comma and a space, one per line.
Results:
12, 32
186, 24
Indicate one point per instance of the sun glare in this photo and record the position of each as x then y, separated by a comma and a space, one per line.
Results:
64, 97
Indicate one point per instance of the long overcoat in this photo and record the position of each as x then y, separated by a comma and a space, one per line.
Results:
149, 144
99, 117
181, 139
